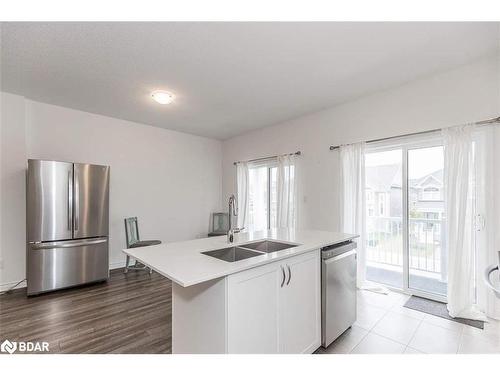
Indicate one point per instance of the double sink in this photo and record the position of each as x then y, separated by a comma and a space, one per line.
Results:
249, 250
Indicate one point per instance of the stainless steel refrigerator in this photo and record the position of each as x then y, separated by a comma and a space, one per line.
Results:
67, 218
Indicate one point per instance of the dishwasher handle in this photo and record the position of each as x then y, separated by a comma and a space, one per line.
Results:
340, 256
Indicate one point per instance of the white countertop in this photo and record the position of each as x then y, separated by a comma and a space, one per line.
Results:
183, 263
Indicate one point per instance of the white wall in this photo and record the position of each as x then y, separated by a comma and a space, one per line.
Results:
12, 189
466, 94
170, 180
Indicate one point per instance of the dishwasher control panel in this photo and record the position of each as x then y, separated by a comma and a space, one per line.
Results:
337, 249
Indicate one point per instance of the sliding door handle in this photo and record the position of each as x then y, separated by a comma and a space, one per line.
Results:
283, 274
289, 274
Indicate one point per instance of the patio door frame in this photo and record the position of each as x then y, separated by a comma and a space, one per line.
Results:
405, 144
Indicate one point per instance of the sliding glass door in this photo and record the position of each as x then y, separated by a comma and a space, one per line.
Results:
405, 218
426, 244
384, 217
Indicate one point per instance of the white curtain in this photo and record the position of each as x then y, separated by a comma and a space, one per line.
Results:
352, 200
353, 206
242, 193
286, 181
458, 186
487, 189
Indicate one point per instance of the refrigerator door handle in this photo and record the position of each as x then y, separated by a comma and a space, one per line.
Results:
70, 200
65, 244
77, 204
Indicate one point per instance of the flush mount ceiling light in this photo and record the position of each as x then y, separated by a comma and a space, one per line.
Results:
162, 97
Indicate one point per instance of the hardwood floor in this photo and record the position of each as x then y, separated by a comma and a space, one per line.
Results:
131, 313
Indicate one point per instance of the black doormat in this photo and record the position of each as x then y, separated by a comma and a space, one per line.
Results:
438, 309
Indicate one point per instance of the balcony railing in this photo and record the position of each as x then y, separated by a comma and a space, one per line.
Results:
425, 240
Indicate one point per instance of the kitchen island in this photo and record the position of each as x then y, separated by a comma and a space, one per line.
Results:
267, 303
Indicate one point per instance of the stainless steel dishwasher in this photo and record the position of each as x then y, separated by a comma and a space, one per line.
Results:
338, 290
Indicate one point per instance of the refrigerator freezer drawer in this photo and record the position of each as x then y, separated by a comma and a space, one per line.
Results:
62, 264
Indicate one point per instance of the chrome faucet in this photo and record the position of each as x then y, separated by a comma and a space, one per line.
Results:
233, 210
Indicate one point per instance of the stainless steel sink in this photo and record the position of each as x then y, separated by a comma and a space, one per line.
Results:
232, 254
245, 251
268, 246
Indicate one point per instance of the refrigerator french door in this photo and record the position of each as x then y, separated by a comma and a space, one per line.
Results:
67, 211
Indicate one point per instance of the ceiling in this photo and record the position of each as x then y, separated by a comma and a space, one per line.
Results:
228, 78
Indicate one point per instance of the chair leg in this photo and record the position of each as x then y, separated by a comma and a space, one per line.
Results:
126, 264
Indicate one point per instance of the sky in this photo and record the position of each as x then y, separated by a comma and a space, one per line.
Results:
421, 161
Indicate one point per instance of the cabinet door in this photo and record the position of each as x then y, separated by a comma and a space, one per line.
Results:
300, 305
253, 310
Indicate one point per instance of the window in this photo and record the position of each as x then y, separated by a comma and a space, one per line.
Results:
262, 197
369, 196
381, 205
431, 194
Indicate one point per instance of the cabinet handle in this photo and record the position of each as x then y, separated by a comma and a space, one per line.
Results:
289, 274
283, 272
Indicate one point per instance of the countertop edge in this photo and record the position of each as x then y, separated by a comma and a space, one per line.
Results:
189, 283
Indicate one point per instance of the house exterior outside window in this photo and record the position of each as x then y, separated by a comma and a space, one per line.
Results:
426, 196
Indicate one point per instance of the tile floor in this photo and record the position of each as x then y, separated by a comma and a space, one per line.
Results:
385, 326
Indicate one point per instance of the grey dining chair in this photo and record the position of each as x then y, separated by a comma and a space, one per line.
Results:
133, 240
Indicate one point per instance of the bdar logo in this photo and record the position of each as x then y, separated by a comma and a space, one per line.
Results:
9, 347
24, 346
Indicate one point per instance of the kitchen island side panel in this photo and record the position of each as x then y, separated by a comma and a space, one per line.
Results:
199, 318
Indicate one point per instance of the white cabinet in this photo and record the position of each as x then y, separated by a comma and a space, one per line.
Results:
253, 310
275, 308
300, 305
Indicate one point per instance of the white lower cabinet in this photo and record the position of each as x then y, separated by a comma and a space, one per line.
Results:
253, 310
276, 308
300, 305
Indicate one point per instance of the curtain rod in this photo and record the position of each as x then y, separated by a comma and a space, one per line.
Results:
484, 122
267, 157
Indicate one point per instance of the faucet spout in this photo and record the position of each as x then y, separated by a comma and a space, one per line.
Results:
233, 211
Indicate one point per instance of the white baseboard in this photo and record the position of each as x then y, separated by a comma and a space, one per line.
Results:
10, 284
115, 265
